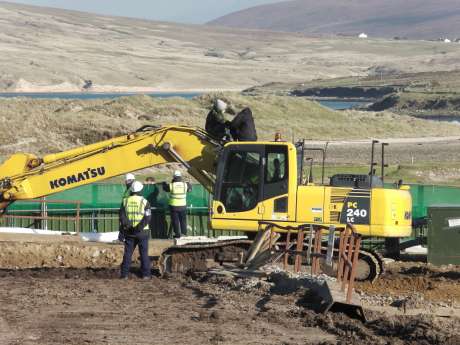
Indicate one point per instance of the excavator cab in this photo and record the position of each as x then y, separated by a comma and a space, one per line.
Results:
255, 182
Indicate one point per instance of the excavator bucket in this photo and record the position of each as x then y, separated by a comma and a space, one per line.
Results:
335, 300
321, 295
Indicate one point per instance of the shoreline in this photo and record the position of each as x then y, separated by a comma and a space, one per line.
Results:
117, 90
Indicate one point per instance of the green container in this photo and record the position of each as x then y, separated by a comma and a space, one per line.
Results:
444, 235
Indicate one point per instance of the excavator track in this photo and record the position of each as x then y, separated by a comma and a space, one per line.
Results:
202, 256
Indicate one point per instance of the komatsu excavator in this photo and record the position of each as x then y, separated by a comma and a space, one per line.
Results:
251, 182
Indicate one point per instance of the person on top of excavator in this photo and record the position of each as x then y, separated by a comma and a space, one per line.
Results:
241, 128
216, 122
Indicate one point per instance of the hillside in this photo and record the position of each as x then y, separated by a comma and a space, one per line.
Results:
45, 49
45, 126
414, 19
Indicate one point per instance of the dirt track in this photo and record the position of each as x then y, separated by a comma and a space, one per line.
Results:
67, 303
93, 307
86, 306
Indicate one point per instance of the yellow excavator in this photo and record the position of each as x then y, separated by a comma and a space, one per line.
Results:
251, 182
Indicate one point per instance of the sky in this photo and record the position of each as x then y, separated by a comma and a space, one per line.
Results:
182, 11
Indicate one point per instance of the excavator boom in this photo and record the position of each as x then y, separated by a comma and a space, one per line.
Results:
25, 176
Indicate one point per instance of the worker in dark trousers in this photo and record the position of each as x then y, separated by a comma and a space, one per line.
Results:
135, 216
216, 122
242, 127
178, 190
129, 179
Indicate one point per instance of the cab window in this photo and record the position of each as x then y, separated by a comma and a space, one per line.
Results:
276, 172
241, 179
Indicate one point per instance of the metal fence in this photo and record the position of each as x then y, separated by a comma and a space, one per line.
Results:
69, 216
37, 214
97, 205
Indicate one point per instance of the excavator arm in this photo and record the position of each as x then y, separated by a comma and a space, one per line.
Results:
25, 176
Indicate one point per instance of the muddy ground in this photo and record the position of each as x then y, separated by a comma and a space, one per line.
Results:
90, 306
413, 303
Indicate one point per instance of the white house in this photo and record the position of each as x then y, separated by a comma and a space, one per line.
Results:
362, 35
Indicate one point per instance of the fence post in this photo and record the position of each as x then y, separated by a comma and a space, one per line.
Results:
298, 257
357, 245
44, 209
77, 218
288, 245
310, 244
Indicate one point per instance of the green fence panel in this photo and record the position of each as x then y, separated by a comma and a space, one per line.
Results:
100, 203
108, 196
424, 196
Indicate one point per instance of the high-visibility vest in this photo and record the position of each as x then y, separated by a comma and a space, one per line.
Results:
178, 194
135, 209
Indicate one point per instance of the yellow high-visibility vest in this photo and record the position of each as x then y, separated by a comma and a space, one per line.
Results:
135, 209
178, 194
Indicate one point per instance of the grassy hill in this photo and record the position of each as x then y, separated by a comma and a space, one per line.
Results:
44, 126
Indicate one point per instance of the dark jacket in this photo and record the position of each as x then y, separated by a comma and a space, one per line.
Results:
242, 127
215, 124
125, 226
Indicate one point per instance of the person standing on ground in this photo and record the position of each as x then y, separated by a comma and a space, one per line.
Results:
129, 179
242, 127
215, 121
135, 216
178, 190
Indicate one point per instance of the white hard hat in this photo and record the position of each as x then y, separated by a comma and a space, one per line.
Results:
177, 173
136, 187
221, 105
130, 177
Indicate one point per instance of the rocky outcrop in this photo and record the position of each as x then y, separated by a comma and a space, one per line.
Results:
346, 92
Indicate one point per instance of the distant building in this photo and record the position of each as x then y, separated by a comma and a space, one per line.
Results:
362, 35
446, 40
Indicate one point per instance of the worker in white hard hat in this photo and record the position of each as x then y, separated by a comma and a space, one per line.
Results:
129, 179
135, 214
178, 190
216, 122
